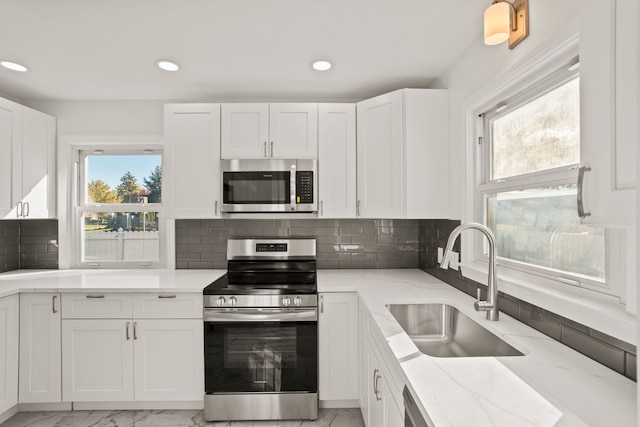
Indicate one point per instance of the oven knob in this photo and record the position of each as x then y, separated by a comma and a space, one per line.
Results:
232, 301
220, 301
297, 301
286, 301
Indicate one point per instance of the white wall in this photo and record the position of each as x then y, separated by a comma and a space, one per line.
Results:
479, 65
105, 117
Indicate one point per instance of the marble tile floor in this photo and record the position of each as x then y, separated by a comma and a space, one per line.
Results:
170, 418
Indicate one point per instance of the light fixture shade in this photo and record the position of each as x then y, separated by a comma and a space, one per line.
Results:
497, 23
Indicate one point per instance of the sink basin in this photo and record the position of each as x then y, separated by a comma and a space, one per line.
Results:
441, 330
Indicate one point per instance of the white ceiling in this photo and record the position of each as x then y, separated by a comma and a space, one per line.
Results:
230, 49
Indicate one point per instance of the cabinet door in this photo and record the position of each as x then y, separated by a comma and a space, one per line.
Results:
245, 131
393, 416
8, 352
169, 359
379, 153
337, 160
375, 399
97, 305
40, 351
192, 160
426, 145
608, 101
10, 157
38, 164
364, 360
97, 360
338, 343
293, 131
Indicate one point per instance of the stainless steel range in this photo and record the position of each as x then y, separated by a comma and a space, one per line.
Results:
261, 332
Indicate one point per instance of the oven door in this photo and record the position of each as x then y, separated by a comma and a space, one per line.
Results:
261, 350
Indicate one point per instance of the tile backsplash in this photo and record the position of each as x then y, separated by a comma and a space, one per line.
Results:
9, 245
611, 352
28, 244
341, 243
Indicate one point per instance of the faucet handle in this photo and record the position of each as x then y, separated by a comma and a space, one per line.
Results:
478, 294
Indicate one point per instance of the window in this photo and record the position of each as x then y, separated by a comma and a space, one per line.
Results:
527, 188
119, 207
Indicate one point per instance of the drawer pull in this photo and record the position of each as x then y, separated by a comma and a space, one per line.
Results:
95, 296
166, 296
127, 330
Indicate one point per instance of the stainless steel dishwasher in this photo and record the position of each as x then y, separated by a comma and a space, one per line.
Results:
412, 415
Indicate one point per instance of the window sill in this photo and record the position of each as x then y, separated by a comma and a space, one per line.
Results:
601, 312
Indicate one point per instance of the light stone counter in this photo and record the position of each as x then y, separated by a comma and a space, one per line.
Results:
551, 385
153, 280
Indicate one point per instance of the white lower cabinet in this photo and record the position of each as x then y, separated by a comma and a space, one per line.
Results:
168, 359
380, 402
338, 344
9, 309
40, 348
133, 358
97, 360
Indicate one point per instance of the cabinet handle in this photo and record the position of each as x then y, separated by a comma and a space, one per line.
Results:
135, 333
53, 304
321, 303
265, 148
581, 212
95, 296
19, 210
358, 208
127, 330
321, 208
26, 213
375, 383
166, 296
215, 209
271, 148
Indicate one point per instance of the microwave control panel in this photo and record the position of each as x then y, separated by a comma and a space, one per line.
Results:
304, 187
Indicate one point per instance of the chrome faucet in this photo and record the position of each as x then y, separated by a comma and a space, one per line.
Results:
491, 304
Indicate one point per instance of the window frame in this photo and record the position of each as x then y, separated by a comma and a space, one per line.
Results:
611, 314
79, 203
561, 175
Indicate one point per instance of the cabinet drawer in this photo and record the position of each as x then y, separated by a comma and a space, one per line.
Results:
167, 306
96, 305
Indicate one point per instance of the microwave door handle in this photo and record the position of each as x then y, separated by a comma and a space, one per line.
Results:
292, 186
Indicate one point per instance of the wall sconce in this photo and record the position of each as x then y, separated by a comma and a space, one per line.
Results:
506, 21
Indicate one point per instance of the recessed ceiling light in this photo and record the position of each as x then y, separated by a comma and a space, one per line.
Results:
13, 66
167, 65
321, 65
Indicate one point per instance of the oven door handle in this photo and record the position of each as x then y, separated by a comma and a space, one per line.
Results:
260, 314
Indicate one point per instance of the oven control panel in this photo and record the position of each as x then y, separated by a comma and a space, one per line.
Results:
271, 247
262, 301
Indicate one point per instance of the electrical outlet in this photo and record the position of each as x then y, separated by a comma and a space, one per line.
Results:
440, 255
454, 260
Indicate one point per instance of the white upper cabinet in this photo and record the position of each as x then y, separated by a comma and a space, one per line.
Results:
27, 162
191, 175
402, 155
609, 110
263, 131
337, 160
10, 158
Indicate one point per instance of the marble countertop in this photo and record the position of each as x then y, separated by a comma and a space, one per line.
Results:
152, 280
551, 385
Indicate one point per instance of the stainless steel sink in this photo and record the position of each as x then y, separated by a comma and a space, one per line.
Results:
441, 330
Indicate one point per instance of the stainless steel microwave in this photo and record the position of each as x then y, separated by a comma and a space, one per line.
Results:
269, 186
